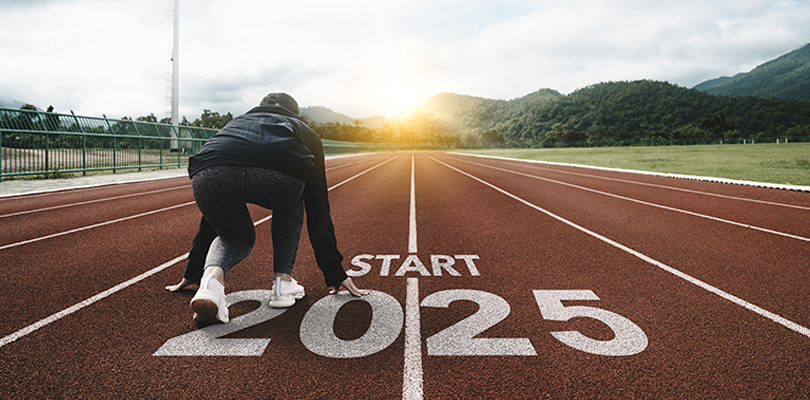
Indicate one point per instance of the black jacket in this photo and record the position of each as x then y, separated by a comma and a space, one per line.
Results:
275, 138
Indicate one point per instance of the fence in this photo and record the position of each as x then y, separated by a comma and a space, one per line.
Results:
50, 144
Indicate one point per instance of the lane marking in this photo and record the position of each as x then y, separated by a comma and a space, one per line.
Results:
81, 203
794, 188
412, 376
84, 228
412, 373
133, 195
78, 306
95, 298
647, 203
697, 282
145, 214
45, 192
412, 218
771, 203
347, 180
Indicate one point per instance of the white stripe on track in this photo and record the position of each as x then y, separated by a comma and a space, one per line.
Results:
412, 218
78, 306
95, 298
770, 203
723, 294
647, 203
412, 376
81, 203
84, 228
144, 214
412, 373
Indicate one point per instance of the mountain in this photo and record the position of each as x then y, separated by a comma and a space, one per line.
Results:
377, 121
450, 112
322, 115
786, 77
609, 111
711, 82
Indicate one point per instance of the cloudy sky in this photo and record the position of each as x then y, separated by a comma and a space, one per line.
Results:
372, 57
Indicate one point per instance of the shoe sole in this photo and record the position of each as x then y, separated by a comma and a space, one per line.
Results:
204, 304
285, 301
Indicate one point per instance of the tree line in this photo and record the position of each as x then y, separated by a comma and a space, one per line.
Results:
603, 113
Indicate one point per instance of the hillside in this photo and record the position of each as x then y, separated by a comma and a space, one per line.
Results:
322, 115
455, 113
711, 82
786, 77
610, 111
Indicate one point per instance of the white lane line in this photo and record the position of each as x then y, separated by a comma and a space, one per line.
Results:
796, 188
78, 306
668, 208
81, 203
725, 295
348, 164
347, 180
84, 228
93, 299
770, 203
144, 214
412, 219
412, 376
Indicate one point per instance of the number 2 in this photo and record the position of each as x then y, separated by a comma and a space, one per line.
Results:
459, 340
206, 341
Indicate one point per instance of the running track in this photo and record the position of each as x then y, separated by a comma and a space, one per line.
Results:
491, 279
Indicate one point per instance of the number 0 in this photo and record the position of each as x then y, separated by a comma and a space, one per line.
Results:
318, 333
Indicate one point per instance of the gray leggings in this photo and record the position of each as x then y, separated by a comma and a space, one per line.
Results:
222, 193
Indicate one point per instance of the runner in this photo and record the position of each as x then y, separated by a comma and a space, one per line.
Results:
268, 157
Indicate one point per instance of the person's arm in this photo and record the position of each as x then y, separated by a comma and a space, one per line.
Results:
319, 222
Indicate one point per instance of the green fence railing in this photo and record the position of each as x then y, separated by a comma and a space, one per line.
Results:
42, 143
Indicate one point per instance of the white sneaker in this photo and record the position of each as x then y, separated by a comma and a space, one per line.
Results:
209, 302
285, 293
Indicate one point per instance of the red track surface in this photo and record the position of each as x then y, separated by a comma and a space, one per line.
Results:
705, 286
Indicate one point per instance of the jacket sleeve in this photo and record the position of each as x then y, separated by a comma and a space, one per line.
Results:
319, 220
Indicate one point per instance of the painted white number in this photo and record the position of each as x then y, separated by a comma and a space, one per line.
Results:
629, 338
318, 333
206, 341
459, 339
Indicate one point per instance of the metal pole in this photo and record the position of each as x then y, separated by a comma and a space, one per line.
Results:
175, 62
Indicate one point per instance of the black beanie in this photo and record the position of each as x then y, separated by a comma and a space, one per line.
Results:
282, 99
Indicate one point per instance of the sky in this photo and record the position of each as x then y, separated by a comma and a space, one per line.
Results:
371, 57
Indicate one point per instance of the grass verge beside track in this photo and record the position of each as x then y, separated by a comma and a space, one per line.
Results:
772, 163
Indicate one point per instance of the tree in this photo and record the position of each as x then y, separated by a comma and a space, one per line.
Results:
491, 137
149, 118
210, 119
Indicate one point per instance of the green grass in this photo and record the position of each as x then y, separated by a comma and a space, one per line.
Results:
772, 163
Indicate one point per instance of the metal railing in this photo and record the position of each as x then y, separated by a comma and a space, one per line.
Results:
50, 144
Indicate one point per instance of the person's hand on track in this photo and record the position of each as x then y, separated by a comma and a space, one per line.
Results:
349, 285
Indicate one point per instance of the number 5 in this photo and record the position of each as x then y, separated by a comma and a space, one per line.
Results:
629, 338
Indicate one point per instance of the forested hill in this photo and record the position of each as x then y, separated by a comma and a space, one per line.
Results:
455, 113
611, 111
786, 77
322, 115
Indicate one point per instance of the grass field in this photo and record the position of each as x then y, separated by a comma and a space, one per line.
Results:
772, 163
